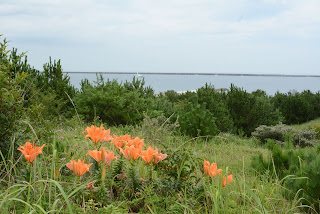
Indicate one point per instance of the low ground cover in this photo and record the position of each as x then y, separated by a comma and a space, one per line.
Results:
176, 184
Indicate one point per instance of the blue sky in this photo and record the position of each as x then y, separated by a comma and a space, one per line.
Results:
239, 36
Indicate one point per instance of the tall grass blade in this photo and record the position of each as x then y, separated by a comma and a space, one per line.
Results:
257, 200
40, 208
63, 194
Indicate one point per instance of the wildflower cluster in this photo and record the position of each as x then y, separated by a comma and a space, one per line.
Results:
131, 149
108, 149
212, 170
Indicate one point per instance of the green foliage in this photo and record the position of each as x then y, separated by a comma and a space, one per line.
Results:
264, 110
157, 129
196, 120
113, 102
215, 103
117, 169
51, 89
281, 132
52, 79
316, 128
298, 107
164, 106
277, 132
11, 97
250, 110
47, 88
299, 170
172, 96
133, 180
179, 169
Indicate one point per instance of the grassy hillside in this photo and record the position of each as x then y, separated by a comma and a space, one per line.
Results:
47, 185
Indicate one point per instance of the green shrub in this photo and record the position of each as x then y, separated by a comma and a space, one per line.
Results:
215, 103
164, 106
11, 98
113, 102
196, 120
28, 98
316, 128
248, 111
47, 88
264, 111
139, 86
156, 130
298, 107
304, 138
178, 171
281, 132
51, 90
172, 96
277, 132
299, 170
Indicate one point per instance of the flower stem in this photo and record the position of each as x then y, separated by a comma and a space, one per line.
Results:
103, 175
26, 209
151, 172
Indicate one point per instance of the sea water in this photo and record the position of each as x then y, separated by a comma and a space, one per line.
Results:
181, 83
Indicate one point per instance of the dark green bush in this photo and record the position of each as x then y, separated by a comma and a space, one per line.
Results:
164, 106
196, 120
248, 111
264, 111
172, 96
11, 97
15, 110
300, 168
47, 88
298, 107
50, 89
113, 102
215, 103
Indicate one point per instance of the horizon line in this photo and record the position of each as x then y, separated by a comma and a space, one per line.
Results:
185, 73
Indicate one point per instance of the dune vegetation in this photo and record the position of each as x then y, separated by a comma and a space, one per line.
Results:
113, 147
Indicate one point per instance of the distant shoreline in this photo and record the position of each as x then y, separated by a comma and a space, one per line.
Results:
203, 74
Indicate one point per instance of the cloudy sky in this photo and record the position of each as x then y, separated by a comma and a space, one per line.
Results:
224, 36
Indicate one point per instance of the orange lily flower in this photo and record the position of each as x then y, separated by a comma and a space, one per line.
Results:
211, 170
95, 154
78, 167
227, 180
158, 156
135, 152
109, 156
206, 167
147, 155
131, 152
105, 155
126, 153
119, 141
30, 151
136, 142
98, 134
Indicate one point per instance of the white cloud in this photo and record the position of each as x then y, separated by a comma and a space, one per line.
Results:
133, 27
156, 18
